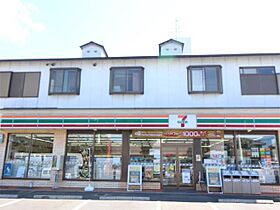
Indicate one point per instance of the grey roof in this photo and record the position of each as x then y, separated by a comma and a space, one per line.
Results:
144, 57
172, 40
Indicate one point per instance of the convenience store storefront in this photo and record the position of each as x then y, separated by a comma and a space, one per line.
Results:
173, 150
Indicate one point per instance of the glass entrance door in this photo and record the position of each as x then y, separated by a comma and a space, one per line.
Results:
177, 170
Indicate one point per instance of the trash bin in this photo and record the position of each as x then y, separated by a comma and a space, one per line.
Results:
227, 181
236, 182
255, 183
246, 182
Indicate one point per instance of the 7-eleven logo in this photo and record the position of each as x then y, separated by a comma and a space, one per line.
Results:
182, 121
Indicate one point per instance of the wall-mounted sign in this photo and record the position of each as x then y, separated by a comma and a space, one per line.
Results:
198, 158
134, 178
178, 134
182, 121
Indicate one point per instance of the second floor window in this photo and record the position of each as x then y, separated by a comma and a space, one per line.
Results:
127, 80
258, 81
205, 79
64, 81
19, 84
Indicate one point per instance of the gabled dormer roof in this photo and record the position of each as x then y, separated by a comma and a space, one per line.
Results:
96, 44
172, 40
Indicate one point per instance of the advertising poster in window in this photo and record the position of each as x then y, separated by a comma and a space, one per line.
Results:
7, 169
255, 152
149, 172
134, 179
218, 156
186, 176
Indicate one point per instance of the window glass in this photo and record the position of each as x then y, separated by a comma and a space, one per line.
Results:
126, 80
79, 146
211, 82
258, 70
17, 84
56, 81
259, 152
278, 82
205, 79
17, 155
31, 84
28, 156
197, 80
70, 78
119, 81
258, 80
134, 81
107, 156
64, 81
5, 78
40, 162
146, 152
218, 151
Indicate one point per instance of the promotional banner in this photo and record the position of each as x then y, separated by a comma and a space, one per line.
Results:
178, 134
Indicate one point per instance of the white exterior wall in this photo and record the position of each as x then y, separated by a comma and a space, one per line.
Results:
169, 48
165, 84
92, 50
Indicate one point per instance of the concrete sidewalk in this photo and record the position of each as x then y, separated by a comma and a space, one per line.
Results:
105, 194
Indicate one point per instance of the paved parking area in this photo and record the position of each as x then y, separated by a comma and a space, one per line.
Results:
48, 204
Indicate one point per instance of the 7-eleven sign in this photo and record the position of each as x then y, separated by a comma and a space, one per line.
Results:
182, 121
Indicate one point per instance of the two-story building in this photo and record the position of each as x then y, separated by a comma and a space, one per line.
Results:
173, 114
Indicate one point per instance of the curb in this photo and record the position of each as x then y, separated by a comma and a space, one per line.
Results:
124, 198
246, 201
8, 196
58, 197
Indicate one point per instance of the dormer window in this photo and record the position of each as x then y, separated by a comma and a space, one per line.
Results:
171, 47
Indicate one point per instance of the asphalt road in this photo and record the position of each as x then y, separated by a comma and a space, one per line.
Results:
48, 204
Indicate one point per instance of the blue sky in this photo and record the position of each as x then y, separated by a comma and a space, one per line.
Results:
36, 29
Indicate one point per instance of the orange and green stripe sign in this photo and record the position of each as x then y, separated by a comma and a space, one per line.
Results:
111, 122
271, 122
240, 122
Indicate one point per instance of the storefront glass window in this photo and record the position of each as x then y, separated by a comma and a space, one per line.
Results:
40, 156
218, 151
107, 156
77, 159
259, 152
28, 156
147, 153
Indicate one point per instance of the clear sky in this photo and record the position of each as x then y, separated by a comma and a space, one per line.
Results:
56, 28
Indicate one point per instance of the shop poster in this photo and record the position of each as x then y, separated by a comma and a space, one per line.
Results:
134, 177
7, 169
186, 176
214, 178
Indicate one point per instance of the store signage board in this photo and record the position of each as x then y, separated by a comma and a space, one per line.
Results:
178, 134
214, 179
134, 178
182, 121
